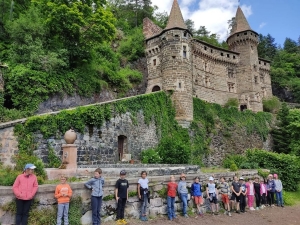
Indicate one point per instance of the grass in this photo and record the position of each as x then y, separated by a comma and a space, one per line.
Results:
213, 170
292, 198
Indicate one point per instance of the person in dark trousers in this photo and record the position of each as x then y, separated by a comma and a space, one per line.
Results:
25, 188
236, 192
271, 190
121, 194
243, 195
257, 193
96, 185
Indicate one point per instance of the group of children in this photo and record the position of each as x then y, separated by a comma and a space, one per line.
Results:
232, 196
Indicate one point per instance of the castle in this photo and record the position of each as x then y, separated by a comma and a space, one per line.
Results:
192, 68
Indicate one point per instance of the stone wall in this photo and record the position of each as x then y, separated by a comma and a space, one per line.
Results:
8, 145
100, 145
157, 205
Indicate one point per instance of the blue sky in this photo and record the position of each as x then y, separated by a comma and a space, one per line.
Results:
280, 18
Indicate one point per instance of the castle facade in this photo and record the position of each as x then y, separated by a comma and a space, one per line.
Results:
189, 68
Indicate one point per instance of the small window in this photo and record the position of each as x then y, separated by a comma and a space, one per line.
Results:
255, 80
222, 54
259, 62
265, 63
245, 33
184, 52
156, 49
238, 35
179, 85
154, 62
230, 73
211, 51
176, 35
155, 88
205, 48
234, 57
174, 57
228, 56
251, 33
149, 51
185, 34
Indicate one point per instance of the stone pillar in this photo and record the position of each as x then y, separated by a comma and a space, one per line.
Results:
69, 157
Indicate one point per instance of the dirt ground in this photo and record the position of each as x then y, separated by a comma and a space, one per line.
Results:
267, 216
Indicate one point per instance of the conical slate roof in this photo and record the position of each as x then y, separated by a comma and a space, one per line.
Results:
241, 23
175, 18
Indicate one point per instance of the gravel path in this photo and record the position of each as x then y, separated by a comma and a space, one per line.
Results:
267, 216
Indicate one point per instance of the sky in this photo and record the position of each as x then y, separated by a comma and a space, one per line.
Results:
279, 18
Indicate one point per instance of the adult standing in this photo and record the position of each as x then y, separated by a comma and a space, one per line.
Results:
236, 190
271, 190
25, 188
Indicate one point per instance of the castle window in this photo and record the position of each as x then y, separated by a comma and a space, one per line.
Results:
251, 33
174, 57
211, 51
255, 79
230, 73
149, 51
207, 81
154, 62
184, 52
238, 35
262, 78
228, 56
205, 48
234, 57
245, 33
243, 107
185, 34
176, 35
156, 49
259, 62
179, 85
231, 87
155, 88
265, 63
222, 54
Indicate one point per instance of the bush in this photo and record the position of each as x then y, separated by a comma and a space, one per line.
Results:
233, 167
286, 166
238, 160
271, 104
232, 102
150, 156
7, 175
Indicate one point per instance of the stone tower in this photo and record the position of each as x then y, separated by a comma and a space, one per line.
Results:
250, 76
169, 62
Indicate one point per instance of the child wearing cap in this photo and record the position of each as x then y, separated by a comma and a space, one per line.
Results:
23, 195
172, 187
278, 189
63, 193
243, 195
224, 191
96, 185
196, 194
212, 194
143, 193
183, 193
121, 194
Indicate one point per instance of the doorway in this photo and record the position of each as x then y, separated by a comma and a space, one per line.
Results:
122, 146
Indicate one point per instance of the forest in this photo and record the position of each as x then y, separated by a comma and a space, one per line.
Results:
52, 47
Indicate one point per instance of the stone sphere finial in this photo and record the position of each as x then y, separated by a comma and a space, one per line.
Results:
70, 136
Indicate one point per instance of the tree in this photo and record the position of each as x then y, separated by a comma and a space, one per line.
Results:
267, 48
190, 25
281, 135
161, 19
290, 46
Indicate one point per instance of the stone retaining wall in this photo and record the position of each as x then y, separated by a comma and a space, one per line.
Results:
157, 205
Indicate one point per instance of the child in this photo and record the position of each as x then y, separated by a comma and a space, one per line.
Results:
243, 195
212, 193
257, 192
250, 193
224, 191
263, 193
236, 192
121, 194
271, 190
143, 193
63, 193
172, 187
96, 185
278, 188
183, 193
196, 194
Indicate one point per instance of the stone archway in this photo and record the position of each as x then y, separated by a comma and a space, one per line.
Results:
156, 88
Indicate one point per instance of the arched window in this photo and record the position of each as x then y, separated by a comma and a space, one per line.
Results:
155, 88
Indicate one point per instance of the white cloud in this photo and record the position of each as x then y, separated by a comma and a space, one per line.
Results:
262, 25
213, 14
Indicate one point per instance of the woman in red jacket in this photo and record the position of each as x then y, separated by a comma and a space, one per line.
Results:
24, 188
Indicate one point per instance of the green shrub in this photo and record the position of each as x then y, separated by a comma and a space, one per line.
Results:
238, 160
53, 160
286, 166
163, 192
150, 156
272, 104
108, 197
232, 102
75, 211
233, 167
7, 175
